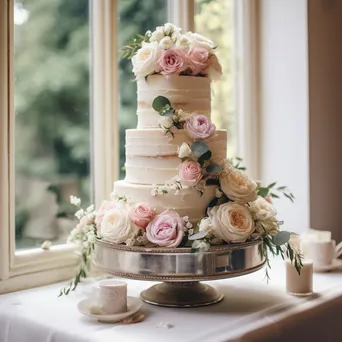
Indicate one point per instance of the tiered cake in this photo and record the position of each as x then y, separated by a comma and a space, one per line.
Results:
152, 156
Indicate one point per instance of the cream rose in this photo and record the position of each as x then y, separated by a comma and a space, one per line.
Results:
231, 222
145, 60
238, 186
262, 210
197, 40
117, 226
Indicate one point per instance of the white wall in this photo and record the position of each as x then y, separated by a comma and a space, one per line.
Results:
284, 149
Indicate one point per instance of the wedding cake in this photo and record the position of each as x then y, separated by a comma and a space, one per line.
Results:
180, 188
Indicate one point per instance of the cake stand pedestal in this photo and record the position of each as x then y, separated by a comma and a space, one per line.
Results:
179, 270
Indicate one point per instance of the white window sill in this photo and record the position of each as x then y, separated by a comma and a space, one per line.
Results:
251, 311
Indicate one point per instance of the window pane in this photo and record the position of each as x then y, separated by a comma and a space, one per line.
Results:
214, 19
136, 16
52, 130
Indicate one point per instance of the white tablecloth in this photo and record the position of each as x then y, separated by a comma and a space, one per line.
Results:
251, 311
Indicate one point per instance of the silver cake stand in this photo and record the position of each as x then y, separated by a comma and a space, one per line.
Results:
179, 270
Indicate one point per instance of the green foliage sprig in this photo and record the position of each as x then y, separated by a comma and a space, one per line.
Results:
274, 191
133, 45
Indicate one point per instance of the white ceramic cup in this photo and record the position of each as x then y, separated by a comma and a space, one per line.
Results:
322, 253
109, 295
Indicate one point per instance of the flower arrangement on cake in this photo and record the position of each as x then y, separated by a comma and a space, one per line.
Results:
168, 51
209, 200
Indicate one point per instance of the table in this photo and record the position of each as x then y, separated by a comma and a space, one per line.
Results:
251, 311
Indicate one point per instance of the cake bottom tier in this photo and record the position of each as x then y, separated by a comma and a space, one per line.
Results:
187, 202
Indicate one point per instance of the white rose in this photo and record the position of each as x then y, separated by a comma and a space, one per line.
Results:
231, 222
117, 226
165, 121
182, 115
166, 43
262, 210
184, 150
238, 186
157, 35
197, 40
145, 60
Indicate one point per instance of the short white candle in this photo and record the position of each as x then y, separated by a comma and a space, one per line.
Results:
299, 284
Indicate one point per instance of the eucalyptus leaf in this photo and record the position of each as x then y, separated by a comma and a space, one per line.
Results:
263, 192
272, 185
159, 102
198, 148
213, 168
212, 181
205, 156
281, 238
198, 236
212, 203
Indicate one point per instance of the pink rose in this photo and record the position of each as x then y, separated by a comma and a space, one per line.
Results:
105, 206
197, 60
172, 61
141, 214
199, 127
166, 229
190, 173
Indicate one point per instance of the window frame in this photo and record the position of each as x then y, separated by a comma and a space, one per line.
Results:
35, 267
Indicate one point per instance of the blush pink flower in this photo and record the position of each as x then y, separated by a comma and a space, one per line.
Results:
197, 60
199, 127
141, 214
84, 221
172, 61
190, 173
166, 229
105, 206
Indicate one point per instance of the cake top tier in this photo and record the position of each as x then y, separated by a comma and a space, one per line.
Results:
189, 93
169, 51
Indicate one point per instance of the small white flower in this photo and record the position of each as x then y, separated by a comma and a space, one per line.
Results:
169, 28
184, 150
130, 241
188, 225
46, 245
90, 209
148, 34
86, 244
157, 35
185, 218
218, 193
154, 191
91, 237
182, 115
166, 43
191, 232
79, 214
75, 200
203, 246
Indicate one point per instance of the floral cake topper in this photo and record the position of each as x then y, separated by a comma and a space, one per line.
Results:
169, 51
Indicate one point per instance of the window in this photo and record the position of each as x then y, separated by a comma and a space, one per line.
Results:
52, 125
135, 17
215, 20
65, 102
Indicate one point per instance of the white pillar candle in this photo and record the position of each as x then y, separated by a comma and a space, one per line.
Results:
299, 284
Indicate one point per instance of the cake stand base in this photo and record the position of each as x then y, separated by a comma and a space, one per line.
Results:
181, 295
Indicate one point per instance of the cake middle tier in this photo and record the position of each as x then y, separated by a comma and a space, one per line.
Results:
152, 156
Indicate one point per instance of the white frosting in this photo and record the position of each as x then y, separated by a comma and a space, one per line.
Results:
187, 202
152, 157
189, 93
